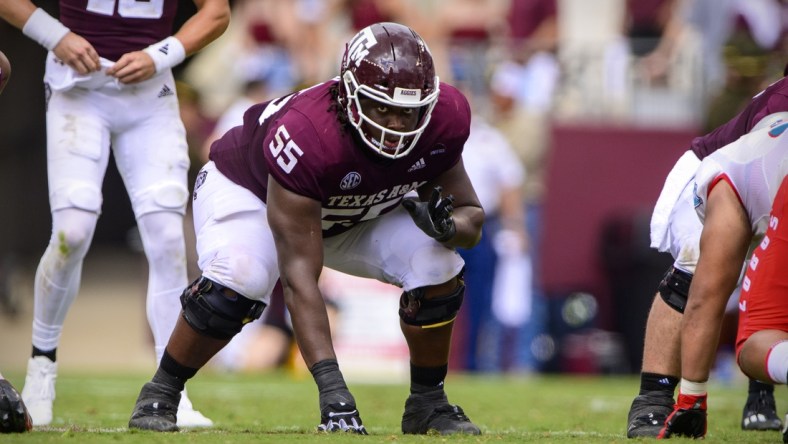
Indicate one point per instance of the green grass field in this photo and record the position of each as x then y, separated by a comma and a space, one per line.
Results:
278, 408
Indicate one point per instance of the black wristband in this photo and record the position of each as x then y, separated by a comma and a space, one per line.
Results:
327, 375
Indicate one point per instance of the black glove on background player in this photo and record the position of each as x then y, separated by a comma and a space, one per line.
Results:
433, 217
338, 411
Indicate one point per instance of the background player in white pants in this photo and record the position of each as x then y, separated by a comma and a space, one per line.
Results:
109, 84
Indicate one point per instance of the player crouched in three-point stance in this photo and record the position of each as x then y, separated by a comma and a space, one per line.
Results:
734, 190
317, 178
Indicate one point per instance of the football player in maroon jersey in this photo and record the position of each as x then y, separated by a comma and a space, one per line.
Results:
363, 174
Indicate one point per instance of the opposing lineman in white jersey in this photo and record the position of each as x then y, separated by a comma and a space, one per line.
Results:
734, 188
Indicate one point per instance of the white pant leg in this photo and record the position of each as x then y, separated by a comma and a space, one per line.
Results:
59, 274
235, 246
675, 226
77, 156
684, 232
149, 144
392, 249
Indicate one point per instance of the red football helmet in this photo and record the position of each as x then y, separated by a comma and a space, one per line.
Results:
392, 65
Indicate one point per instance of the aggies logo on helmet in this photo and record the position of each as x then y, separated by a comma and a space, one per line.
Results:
360, 45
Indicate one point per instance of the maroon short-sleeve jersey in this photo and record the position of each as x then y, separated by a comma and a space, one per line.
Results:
115, 27
298, 141
773, 99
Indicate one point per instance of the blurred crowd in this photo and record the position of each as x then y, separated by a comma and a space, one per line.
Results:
570, 58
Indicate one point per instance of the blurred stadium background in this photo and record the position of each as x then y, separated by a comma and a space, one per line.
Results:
606, 93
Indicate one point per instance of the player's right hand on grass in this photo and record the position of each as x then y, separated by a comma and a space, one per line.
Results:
687, 419
341, 417
338, 411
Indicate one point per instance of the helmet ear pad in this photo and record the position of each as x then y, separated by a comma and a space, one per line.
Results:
391, 64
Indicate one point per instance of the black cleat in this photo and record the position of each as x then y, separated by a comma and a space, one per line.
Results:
760, 413
647, 414
156, 408
14, 417
431, 412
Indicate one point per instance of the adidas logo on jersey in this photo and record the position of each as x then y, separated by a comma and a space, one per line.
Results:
418, 165
165, 91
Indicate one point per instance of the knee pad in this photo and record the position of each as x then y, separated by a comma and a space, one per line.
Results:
164, 196
674, 288
415, 309
210, 312
84, 196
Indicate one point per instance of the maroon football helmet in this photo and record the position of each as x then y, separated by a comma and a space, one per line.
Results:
392, 65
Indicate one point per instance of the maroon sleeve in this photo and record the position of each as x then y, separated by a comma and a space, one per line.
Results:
771, 100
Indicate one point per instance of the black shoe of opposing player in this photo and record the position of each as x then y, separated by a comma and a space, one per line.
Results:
760, 413
14, 417
648, 413
431, 411
156, 408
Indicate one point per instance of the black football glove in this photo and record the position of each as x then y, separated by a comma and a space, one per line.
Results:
341, 417
433, 217
688, 418
338, 411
